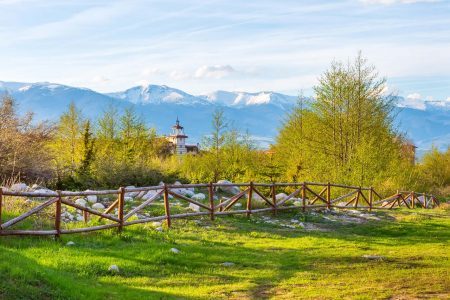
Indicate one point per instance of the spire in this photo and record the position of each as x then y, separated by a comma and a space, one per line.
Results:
178, 122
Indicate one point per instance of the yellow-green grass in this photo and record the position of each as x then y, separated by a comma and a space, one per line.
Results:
270, 261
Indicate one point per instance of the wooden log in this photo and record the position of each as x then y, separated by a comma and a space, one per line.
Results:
376, 194
404, 201
111, 207
188, 200
28, 232
303, 197
85, 216
320, 194
357, 197
120, 208
90, 210
151, 219
88, 229
412, 200
1, 206
274, 198
166, 205
230, 202
364, 197
88, 193
370, 198
58, 215
315, 194
387, 199
328, 195
293, 194
343, 196
211, 200
29, 213
351, 200
142, 205
249, 199
263, 197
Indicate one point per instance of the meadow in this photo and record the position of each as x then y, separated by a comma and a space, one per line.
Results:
399, 254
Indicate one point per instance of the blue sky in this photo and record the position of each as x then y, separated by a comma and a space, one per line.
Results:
201, 46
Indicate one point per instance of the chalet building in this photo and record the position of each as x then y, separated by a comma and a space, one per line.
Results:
178, 141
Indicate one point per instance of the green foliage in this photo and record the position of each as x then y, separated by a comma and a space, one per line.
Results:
346, 135
434, 171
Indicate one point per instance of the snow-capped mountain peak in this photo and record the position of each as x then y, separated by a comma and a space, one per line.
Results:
245, 99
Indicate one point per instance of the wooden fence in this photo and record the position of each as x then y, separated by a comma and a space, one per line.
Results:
310, 195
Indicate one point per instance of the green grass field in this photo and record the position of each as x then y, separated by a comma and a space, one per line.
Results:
270, 260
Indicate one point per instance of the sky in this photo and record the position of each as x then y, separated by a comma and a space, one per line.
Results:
203, 46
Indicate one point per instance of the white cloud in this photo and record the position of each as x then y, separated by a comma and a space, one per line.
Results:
216, 71
152, 71
179, 75
100, 79
414, 100
390, 2
448, 99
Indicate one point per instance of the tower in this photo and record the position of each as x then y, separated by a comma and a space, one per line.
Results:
178, 138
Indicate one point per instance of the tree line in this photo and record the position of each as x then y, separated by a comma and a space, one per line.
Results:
346, 135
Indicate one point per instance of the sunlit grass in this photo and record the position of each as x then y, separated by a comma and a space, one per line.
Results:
269, 260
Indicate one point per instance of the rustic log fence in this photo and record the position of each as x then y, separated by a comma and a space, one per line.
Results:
345, 196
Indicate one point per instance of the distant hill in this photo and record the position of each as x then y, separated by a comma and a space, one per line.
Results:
259, 113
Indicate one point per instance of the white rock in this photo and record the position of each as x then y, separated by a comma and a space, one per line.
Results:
81, 202
98, 206
19, 187
174, 250
131, 194
70, 243
188, 193
92, 198
43, 191
113, 269
298, 203
156, 224
79, 217
238, 205
194, 207
281, 196
149, 195
228, 189
295, 221
141, 194
160, 229
128, 199
227, 264
199, 196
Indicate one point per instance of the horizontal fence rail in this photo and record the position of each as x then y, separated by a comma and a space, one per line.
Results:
304, 194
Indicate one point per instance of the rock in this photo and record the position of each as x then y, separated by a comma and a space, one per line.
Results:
149, 195
156, 224
113, 269
227, 264
19, 187
98, 206
199, 196
298, 203
79, 218
238, 205
188, 193
70, 243
128, 199
228, 189
141, 194
160, 229
81, 202
374, 257
295, 221
131, 194
92, 198
174, 250
194, 207
281, 196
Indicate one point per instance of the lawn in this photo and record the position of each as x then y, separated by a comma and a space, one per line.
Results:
270, 259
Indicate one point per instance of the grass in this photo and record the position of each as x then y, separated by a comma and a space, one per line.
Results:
270, 261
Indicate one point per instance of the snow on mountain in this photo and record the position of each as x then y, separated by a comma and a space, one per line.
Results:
259, 113
242, 99
157, 94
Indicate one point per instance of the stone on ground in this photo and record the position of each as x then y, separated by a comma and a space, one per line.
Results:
113, 269
227, 264
98, 206
81, 202
174, 250
70, 243
228, 189
199, 196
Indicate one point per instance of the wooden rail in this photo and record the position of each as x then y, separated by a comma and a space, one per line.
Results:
312, 195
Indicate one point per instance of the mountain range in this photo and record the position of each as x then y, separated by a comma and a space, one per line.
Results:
261, 114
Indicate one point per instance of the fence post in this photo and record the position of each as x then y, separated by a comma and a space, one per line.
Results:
303, 197
370, 198
1, 205
166, 205
58, 215
249, 199
412, 199
274, 198
120, 207
328, 195
211, 199
357, 197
